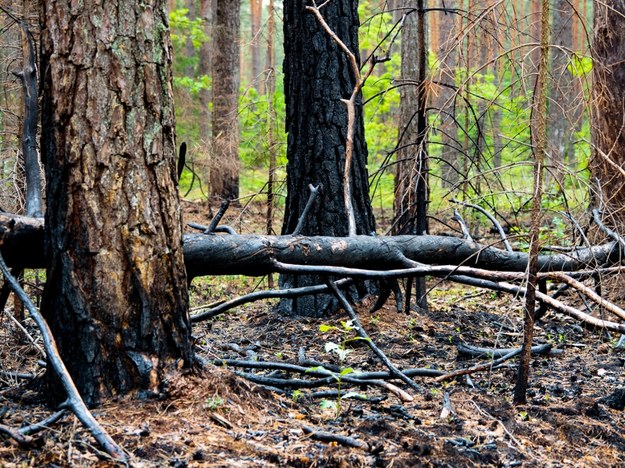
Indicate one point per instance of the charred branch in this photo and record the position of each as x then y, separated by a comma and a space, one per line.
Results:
32, 169
255, 255
74, 401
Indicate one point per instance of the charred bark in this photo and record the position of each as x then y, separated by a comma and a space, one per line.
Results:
317, 77
115, 272
32, 169
256, 255
608, 98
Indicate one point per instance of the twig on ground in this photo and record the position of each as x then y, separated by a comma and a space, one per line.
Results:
332, 394
22, 439
24, 331
494, 353
325, 436
448, 409
330, 378
74, 401
363, 334
17, 375
44, 424
503, 426
481, 367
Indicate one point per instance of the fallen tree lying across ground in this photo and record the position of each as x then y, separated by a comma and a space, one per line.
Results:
352, 258
21, 240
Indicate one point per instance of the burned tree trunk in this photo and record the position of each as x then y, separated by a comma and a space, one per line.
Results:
317, 77
116, 296
32, 170
608, 98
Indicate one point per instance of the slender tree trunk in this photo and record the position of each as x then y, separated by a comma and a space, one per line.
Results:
189, 47
562, 92
451, 158
256, 14
204, 68
224, 174
317, 76
116, 295
608, 113
272, 144
539, 145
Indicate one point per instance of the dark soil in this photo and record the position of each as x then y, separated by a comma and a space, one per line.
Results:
574, 415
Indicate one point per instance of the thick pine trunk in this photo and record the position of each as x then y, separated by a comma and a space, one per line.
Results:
116, 296
608, 115
317, 77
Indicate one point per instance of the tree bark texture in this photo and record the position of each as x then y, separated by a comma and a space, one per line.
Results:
204, 68
451, 158
21, 241
256, 18
32, 169
116, 296
562, 93
224, 172
608, 113
317, 77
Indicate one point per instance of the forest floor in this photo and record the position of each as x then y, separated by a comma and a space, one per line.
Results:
574, 415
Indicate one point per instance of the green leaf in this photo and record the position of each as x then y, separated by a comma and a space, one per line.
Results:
347, 370
354, 395
328, 404
580, 65
348, 325
323, 328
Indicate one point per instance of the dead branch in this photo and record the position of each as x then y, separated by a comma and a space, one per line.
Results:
32, 169
74, 401
588, 292
363, 334
350, 104
314, 191
339, 439
223, 306
220, 213
329, 377
494, 353
492, 219
550, 301
44, 424
486, 366
21, 439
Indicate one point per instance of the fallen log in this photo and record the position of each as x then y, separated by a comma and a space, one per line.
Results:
21, 240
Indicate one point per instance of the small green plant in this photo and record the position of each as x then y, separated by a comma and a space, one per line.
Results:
346, 331
297, 394
375, 319
214, 402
